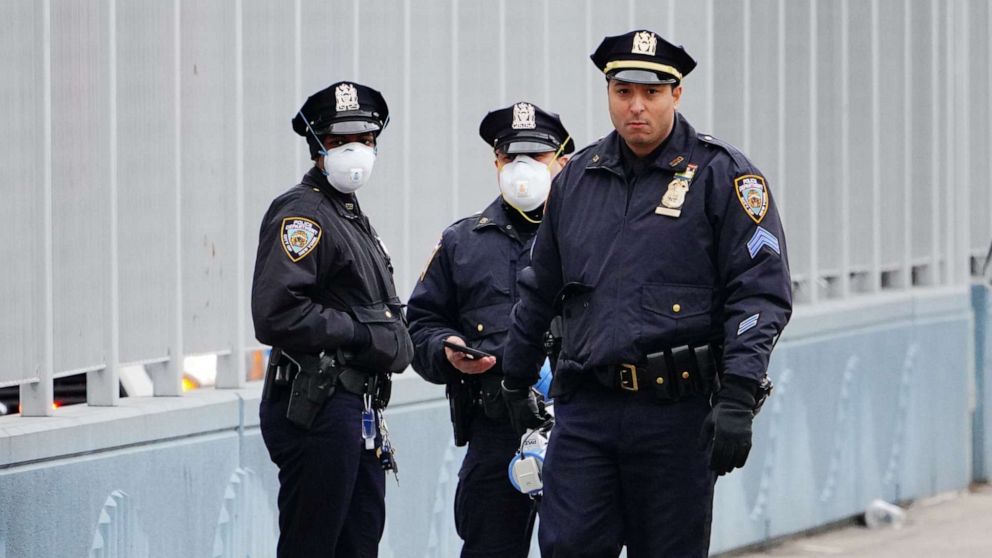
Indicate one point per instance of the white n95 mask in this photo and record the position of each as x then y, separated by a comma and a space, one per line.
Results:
349, 166
525, 183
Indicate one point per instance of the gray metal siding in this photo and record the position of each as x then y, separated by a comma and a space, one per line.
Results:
170, 135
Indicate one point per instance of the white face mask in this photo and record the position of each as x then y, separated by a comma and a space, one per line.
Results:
525, 183
349, 167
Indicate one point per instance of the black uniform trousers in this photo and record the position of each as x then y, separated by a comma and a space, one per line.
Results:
623, 468
331, 489
490, 515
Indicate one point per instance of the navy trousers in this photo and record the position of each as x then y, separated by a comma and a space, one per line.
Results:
623, 468
490, 515
331, 490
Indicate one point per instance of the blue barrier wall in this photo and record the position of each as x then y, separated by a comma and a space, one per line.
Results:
980, 297
873, 398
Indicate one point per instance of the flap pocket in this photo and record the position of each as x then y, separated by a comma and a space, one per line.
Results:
486, 320
676, 301
378, 313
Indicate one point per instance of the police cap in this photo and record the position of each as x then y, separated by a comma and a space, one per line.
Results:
642, 57
525, 128
343, 108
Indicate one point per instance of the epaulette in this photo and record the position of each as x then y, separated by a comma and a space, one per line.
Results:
737, 155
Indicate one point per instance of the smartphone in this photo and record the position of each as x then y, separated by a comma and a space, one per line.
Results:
469, 352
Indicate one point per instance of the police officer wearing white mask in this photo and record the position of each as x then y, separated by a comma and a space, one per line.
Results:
464, 297
323, 297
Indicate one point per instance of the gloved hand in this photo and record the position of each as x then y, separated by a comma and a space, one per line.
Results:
524, 411
728, 425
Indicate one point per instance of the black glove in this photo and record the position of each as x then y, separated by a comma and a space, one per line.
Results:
728, 425
522, 406
387, 348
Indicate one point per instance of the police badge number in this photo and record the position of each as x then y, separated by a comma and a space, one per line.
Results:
299, 237
753, 195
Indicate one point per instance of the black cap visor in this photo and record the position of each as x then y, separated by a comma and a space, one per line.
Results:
643, 77
527, 142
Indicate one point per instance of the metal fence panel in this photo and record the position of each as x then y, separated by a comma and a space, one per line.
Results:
763, 118
208, 158
146, 178
478, 61
271, 148
980, 127
730, 72
921, 185
22, 190
80, 178
829, 191
857, 154
799, 172
893, 153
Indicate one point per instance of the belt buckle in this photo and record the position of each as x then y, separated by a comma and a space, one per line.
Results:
628, 377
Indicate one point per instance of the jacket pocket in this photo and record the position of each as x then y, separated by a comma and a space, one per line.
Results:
674, 314
391, 348
484, 321
577, 305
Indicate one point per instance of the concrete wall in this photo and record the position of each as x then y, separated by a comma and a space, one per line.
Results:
872, 399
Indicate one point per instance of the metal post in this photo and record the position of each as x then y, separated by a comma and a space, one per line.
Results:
37, 398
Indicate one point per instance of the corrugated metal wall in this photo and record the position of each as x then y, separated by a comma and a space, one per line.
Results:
143, 141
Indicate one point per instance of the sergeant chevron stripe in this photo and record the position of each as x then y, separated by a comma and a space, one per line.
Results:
762, 238
747, 323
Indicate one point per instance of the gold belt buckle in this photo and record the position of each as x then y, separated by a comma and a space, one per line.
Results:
628, 377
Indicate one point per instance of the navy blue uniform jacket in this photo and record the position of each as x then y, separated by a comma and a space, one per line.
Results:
320, 268
635, 281
468, 290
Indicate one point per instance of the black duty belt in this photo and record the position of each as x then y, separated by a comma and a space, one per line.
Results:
671, 374
351, 379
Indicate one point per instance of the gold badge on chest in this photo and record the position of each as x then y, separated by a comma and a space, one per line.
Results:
671, 202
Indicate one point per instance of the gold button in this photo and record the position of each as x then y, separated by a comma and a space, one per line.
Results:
676, 308
660, 380
479, 327
685, 375
389, 314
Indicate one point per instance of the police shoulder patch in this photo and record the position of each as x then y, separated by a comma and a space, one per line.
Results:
753, 194
299, 237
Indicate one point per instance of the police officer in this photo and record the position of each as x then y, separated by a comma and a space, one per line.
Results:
464, 297
667, 254
323, 297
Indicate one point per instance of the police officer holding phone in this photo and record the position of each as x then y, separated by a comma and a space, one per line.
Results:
666, 252
464, 298
323, 298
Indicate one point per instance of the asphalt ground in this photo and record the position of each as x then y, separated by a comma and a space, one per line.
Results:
954, 525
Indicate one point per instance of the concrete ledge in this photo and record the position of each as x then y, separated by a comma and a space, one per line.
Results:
81, 429
858, 312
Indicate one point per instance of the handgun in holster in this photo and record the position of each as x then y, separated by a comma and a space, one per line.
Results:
313, 385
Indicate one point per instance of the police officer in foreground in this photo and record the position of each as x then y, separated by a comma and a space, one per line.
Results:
667, 254
464, 297
323, 298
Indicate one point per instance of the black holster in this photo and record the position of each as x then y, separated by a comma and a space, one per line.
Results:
313, 385
461, 403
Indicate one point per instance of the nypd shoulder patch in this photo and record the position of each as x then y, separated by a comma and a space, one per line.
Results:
753, 194
299, 237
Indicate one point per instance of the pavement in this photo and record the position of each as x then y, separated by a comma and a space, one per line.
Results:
954, 525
